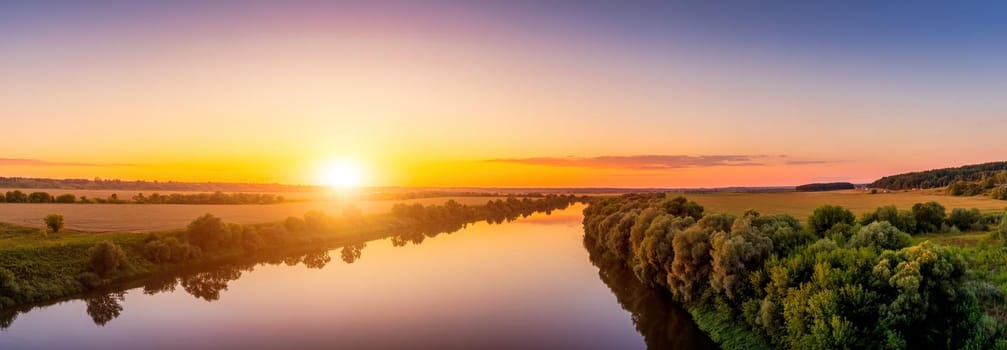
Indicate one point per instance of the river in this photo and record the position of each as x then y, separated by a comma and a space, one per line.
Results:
525, 284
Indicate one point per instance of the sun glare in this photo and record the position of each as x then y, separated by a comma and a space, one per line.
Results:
342, 174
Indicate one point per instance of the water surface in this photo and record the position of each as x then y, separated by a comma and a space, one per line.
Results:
526, 284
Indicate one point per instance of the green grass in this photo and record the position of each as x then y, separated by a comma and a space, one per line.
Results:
727, 333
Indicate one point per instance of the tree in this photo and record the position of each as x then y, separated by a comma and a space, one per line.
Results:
825, 217
929, 216
54, 222
967, 219
39, 197
903, 220
106, 257
16, 197
691, 265
880, 234
207, 232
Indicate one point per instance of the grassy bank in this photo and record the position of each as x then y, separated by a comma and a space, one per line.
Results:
35, 267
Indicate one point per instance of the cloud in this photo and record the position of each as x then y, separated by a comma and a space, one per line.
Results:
809, 162
644, 162
37, 162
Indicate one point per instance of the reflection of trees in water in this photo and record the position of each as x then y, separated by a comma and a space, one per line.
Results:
208, 285
317, 260
663, 324
7, 318
105, 307
160, 285
351, 252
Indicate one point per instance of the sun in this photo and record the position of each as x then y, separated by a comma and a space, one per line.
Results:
342, 174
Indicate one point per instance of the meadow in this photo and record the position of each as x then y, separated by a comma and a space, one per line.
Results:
144, 217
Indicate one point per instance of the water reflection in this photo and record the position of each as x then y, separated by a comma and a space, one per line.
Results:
105, 307
531, 308
663, 324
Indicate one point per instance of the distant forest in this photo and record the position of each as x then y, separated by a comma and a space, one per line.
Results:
831, 186
969, 180
116, 184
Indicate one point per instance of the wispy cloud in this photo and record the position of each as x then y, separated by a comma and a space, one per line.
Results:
811, 161
38, 162
645, 162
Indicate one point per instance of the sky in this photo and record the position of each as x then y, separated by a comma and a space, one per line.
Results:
508, 93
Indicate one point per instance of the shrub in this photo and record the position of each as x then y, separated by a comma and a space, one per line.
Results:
54, 222
1001, 231
106, 257
66, 198
8, 287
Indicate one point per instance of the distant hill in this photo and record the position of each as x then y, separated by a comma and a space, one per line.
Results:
831, 186
941, 177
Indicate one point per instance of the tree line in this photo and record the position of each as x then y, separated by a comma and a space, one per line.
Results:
831, 186
140, 185
965, 180
832, 283
17, 196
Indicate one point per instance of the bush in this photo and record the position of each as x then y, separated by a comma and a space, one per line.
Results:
106, 257
54, 222
66, 198
1001, 231
967, 219
8, 287
825, 217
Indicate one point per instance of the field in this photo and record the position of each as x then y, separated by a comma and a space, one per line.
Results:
147, 217
801, 204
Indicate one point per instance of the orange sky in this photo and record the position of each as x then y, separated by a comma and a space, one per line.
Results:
470, 98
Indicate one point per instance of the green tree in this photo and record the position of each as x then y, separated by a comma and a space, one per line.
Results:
207, 232
16, 197
880, 234
825, 217
39, 197
929, 216
54, 222
967, 219
66, 198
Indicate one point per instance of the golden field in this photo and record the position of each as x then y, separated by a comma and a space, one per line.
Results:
147, 217
801, 204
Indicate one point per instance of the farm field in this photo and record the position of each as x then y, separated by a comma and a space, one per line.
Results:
147, 217
802, 204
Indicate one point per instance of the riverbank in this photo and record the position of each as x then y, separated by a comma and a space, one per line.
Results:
835, 283
36, 268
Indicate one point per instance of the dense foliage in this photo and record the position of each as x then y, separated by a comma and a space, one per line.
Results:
861, 286
969, 180
939, 177
830, 186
